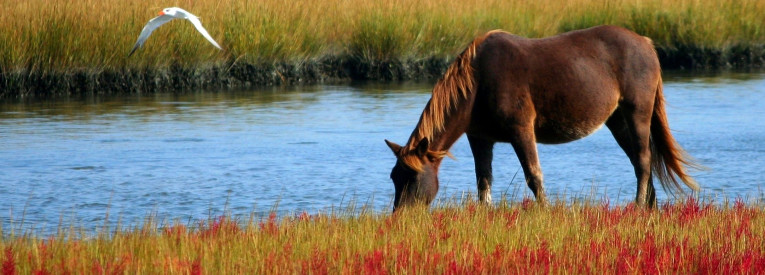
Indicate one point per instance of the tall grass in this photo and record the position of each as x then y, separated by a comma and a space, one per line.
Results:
65, 36
455, 238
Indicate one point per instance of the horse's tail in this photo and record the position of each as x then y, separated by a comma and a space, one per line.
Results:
668, 158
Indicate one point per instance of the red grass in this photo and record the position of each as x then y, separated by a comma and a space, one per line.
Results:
9, 263
688, 237
617, 253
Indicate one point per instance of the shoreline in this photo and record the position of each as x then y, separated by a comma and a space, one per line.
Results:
21, 84
228, 75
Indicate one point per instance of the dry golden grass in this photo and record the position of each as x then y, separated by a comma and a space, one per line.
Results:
41, 35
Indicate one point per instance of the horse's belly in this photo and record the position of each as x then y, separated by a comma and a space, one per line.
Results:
566, 123
554, 133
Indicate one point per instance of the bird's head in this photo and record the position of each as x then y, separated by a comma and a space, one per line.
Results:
174, 12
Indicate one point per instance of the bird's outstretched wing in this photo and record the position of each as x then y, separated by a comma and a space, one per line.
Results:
194, 20
153, 24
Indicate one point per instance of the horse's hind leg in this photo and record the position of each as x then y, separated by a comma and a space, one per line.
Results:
525, 145
482, 154
633, 138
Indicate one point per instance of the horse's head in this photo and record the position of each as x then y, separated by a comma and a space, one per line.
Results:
415, 175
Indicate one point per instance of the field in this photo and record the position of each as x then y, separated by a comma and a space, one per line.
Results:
291, 41
689, 236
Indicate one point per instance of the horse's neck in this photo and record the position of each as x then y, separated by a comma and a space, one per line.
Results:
442, 136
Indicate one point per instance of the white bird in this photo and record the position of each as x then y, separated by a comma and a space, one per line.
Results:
165, 16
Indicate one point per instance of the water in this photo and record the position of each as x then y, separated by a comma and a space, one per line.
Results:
96, 160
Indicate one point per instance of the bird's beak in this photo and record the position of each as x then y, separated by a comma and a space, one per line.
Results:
161, 13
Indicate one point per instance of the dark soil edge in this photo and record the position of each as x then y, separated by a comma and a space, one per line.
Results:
176, 78
231, 75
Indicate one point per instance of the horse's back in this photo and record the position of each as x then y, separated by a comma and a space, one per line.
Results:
566, 85
609, 50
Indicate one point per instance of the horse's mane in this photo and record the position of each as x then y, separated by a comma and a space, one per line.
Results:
453, 87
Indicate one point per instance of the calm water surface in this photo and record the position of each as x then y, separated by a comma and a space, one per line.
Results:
77, 161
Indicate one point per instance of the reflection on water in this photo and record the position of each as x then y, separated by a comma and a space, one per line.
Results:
188, 156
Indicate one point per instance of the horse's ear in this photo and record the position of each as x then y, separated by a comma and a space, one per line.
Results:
422, 147
393, 147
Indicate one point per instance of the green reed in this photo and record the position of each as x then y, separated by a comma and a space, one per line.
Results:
44, 36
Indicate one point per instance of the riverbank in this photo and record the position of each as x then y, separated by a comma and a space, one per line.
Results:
688, 237
233, 75
81, 47
230, 75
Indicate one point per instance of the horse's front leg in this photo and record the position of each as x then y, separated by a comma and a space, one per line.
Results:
525, 145
482, 154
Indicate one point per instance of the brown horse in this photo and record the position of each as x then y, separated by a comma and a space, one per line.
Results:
506, 88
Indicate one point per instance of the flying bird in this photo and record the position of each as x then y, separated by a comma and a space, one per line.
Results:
165, 16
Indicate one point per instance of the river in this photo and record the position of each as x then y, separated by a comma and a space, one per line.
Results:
90, 161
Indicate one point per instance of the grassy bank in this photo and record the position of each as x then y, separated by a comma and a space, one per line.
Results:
82, 41
458, 238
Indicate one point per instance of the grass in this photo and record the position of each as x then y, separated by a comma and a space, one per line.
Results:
458, 237
70, 36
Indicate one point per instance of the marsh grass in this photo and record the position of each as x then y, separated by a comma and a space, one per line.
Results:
457, 236
65, 36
